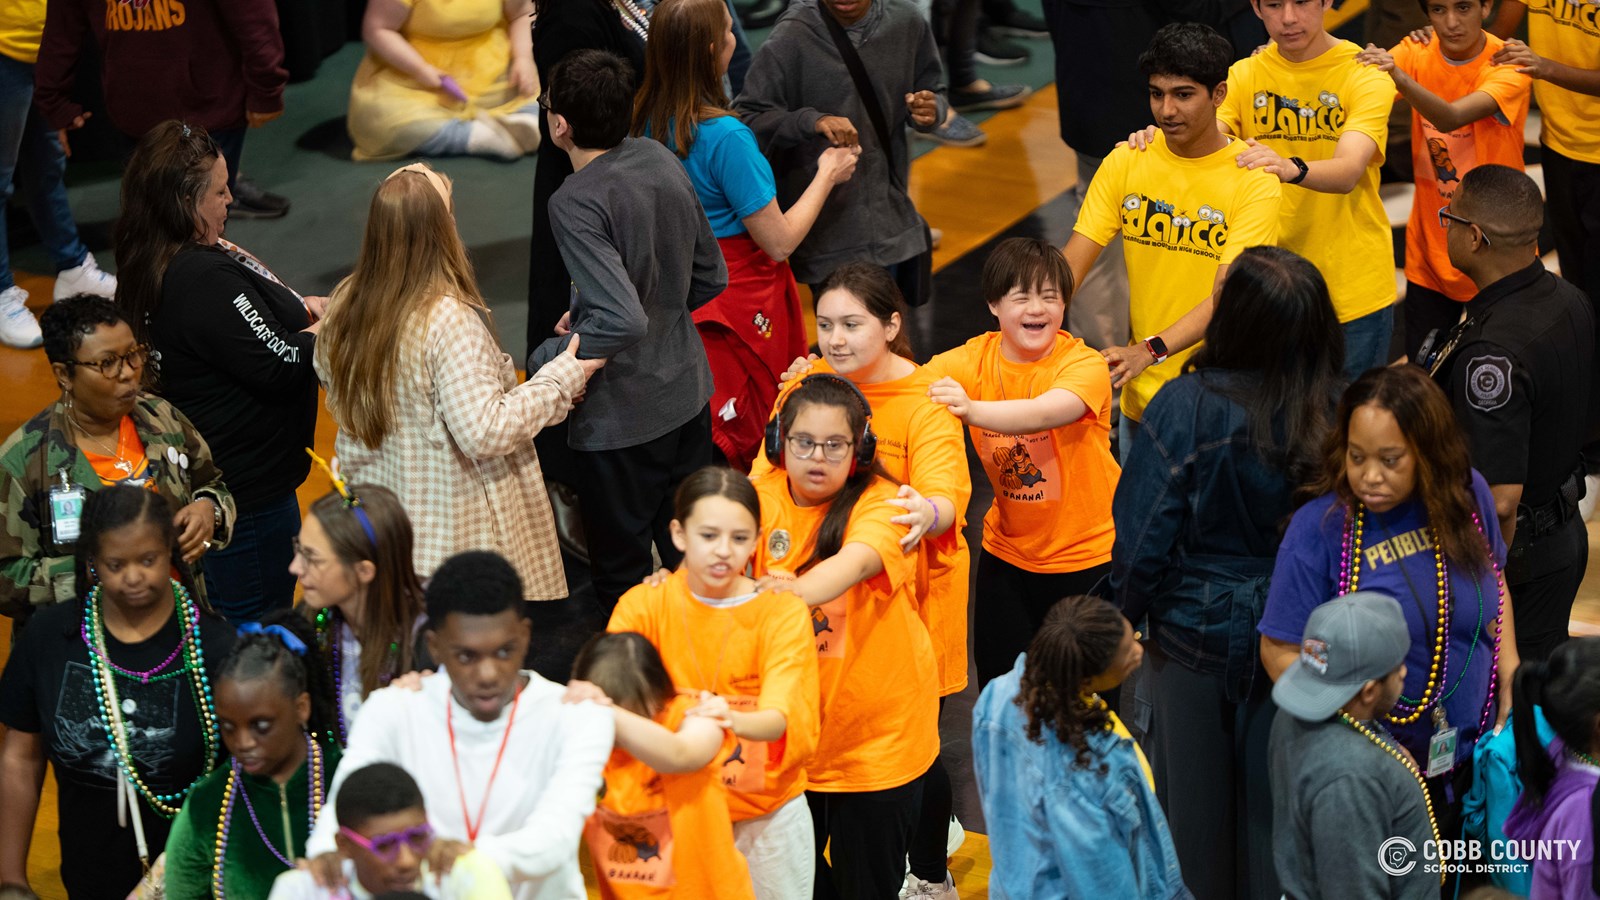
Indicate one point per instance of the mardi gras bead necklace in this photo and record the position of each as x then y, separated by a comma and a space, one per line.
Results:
315, 794
1411, 767
111, 707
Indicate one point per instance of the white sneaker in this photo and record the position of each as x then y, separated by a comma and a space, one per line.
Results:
1591, 493
917, 889
18, 327
523, 128
85, 278
955, 837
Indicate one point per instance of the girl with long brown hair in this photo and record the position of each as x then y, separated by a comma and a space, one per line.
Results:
755, 327
353, 559
1399, 509
427, 403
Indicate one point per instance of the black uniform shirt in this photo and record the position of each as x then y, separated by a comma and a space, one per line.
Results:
1521, 380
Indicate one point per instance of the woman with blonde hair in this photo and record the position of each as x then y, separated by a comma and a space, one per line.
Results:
427, 403
754, 328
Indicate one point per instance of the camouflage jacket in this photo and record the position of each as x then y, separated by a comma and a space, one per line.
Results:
34, 570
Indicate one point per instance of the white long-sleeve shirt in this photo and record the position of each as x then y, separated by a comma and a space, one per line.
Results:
544, 791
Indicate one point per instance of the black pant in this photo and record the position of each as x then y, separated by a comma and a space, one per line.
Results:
1425, 310
626, 499
1572, 204
956, 26
869, 832
1542, 595
1012, 606
928, 851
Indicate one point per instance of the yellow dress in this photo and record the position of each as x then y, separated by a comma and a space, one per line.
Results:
391, 114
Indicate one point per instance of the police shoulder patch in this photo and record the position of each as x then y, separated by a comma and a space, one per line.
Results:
1488, 382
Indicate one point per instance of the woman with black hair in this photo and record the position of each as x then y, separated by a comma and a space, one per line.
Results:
275, 710
234, 344
1206, 489
1558, 781
1067, 794
114, 689
103, 430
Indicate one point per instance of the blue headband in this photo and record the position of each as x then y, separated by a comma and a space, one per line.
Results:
366, 523
284, 635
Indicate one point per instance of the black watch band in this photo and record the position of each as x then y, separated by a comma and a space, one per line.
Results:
1304, 170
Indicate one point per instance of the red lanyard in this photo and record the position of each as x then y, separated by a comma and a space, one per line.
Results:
449, 724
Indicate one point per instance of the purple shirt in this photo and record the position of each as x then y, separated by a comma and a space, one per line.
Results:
1398, 560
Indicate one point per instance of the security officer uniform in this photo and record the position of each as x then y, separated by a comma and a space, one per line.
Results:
1520, 372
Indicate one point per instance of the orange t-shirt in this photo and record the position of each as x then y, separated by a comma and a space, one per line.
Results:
1052, 489
1441, 158
758, 654
654, 835
129, 466
880, 688
920, 444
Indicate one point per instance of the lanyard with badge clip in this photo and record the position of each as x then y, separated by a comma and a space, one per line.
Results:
66, 510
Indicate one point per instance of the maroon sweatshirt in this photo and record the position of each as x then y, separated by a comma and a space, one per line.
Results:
201, 61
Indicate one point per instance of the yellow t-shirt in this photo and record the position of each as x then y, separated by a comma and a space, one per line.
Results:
1302, 109
1179, 220
1567, 32
21, 23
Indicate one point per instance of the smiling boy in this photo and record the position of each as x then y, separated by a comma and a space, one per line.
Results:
1185, 208
1465, 112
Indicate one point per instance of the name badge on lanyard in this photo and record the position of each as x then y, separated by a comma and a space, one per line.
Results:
1442, 746
66, 510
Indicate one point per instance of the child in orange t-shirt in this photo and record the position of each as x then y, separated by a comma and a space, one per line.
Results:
715, 632
660, 827
861, 333
1037, 403
1465, 112
827, 533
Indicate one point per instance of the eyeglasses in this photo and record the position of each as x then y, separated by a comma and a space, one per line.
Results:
1446, 217
312, 562
803, 447
544, 102
387, 846
111, 366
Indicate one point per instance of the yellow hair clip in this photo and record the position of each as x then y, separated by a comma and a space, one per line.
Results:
332, 471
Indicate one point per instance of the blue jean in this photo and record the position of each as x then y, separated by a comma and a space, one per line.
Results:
28, 148
250, 577
1366, 342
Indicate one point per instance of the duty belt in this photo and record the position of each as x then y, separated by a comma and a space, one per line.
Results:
1539, 521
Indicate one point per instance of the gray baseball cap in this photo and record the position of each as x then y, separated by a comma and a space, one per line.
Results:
1348, 641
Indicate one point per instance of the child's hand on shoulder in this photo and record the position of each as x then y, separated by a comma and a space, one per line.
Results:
585, 692
949, 393
800, 366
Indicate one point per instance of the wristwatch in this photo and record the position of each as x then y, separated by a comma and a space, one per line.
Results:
1157, 348
1304, 170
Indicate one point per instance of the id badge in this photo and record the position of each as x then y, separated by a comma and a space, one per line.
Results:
66, 509
1442, 752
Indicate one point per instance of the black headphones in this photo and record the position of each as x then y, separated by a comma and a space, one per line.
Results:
866, 447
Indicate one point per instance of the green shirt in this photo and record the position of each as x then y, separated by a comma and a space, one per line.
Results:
250, 868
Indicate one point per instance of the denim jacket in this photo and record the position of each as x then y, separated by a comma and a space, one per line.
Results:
1060, 830
1198, 515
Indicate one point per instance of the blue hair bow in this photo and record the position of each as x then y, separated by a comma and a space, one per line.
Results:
284, 635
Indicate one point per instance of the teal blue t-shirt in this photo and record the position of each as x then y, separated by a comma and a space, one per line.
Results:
729, 174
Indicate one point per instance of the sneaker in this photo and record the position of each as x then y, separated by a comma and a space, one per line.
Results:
917, 889
18, 327
251, 202
1020, 23
998, 96
995, 50
936, 237
955, 837
85, 278
957, 131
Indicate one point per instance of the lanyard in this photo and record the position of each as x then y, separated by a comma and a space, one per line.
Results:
449, 724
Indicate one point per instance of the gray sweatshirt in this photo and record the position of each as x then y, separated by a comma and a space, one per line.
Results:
796, 78
642, 258
1336, 798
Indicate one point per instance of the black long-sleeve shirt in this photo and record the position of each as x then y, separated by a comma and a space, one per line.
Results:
235, 360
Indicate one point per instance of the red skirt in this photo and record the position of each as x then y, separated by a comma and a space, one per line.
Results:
752, 331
